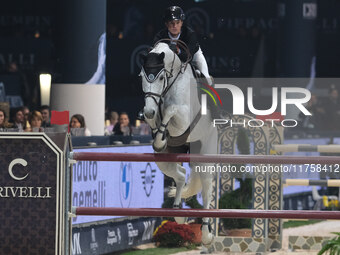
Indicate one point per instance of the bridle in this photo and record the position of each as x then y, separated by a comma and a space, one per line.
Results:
168, 75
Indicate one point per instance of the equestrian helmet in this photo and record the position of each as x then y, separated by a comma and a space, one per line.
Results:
173, 13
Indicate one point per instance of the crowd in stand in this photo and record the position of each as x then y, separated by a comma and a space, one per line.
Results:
119, 124
23, 120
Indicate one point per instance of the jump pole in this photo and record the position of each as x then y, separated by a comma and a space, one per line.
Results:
307, 182
332, 148
203, 158
211, 213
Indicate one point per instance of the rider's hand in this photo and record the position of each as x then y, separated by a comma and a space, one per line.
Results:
174, 48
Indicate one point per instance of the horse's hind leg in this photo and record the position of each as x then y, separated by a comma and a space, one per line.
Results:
206, 179
177, 172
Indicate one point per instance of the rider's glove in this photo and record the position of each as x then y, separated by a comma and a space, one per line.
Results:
174, 48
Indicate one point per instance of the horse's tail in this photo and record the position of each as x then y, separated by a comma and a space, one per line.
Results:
193, 186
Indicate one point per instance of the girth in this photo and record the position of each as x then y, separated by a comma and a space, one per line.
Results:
175, 141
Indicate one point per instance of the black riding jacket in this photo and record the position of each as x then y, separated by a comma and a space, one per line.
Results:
188, 36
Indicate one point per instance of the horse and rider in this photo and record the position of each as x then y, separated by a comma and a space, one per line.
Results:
173, 108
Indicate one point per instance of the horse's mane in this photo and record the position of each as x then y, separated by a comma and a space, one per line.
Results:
161, 47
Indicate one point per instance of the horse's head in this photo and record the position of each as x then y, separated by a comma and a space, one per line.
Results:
156, 71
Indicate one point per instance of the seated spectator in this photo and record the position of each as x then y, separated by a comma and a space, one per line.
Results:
113, 121
19, 120
35, 120
45, 112
123, 127
144, 128
3, 120
26, 111
78, 127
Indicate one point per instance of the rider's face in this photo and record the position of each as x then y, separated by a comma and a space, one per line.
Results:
174, 27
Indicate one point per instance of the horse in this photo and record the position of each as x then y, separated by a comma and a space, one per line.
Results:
172, 110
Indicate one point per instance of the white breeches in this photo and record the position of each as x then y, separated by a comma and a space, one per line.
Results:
199, 61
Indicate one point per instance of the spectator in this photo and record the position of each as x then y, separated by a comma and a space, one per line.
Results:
3, 120
123, 127
45, 112
19, 120
78, 127
35, 120
26, 111
144, 129
113, 121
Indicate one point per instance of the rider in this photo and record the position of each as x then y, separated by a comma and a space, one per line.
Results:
173, 18
175, 30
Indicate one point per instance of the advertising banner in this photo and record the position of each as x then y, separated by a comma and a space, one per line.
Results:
31, 194
116, 184
113, 236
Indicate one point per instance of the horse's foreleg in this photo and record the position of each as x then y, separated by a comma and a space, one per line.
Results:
206, 179
152, 125
160, 141
177, 172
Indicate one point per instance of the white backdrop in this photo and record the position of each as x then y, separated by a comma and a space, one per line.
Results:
87, 100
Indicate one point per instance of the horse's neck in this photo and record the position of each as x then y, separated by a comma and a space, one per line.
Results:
184, 93
183, 83
173, 63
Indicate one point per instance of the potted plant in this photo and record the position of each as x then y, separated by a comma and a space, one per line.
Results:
172, 234
332, 246
196, 224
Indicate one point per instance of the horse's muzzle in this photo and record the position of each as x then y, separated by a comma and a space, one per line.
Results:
149, 114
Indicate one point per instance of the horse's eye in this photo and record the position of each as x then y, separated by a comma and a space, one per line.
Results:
161, 77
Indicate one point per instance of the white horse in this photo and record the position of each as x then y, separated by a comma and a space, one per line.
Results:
172, 109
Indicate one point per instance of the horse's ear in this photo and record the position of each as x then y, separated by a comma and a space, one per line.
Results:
161, 56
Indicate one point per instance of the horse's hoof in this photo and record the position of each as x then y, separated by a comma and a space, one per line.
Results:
156, 149
159, 149
205, 250
181, 220
208, 241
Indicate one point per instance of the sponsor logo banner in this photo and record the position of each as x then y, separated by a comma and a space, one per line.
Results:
113, 236
116, 184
